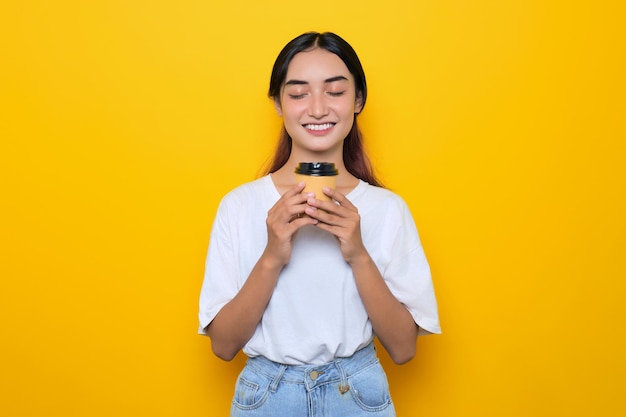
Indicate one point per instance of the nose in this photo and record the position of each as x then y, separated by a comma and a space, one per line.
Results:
318, 107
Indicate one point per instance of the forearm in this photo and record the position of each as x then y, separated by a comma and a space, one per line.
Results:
392, 323
236, 322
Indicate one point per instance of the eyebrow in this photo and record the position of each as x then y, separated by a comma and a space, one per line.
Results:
326, 81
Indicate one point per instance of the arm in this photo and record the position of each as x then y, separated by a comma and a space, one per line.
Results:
236, 322
393, 324
391, 321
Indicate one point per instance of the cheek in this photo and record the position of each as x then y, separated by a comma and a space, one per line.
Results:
292, 109
347, 108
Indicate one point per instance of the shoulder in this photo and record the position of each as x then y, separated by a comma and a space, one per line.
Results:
380, 198
383, 209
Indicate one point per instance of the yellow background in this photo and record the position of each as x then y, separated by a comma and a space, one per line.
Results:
122, 124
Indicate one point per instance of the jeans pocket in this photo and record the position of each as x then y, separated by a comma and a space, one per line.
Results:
251, 390
370, 388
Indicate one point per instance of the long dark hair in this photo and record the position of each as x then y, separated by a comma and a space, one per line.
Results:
354, 157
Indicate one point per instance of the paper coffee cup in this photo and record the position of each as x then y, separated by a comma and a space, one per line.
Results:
316, 176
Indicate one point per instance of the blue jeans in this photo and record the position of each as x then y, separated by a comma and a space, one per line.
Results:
345, 387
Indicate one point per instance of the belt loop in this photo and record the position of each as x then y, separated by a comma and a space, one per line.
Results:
277, 378
343, 384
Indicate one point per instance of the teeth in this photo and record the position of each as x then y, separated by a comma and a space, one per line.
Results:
319, 127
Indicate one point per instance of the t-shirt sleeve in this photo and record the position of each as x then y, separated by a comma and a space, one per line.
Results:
221, 282
408, 275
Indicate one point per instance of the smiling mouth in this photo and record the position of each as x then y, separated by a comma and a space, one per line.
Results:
319, 127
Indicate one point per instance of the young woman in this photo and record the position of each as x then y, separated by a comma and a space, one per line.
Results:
303, 285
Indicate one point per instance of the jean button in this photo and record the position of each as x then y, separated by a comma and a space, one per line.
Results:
313, 375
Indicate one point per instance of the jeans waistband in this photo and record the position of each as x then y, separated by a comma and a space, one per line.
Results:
314, 375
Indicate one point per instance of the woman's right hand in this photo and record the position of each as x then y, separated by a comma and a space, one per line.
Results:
284, 219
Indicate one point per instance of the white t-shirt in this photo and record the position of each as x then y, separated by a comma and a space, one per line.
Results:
315, 314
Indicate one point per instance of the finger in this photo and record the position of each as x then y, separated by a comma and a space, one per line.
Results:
338, 197
295, 207
295, 196
300, 221
333, 207
296, 215
295, 190
326, 215
291, 210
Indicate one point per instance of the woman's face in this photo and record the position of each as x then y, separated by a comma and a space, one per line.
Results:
318, 101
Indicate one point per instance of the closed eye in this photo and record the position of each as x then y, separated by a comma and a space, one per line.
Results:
336, 93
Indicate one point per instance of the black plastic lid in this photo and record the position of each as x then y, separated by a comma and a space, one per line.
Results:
319, 169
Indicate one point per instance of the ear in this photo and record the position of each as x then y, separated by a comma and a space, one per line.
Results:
358, 104
278, 107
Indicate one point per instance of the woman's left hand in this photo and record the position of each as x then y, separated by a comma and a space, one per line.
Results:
341, 218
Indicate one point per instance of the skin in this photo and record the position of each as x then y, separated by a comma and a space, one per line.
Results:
317, 103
